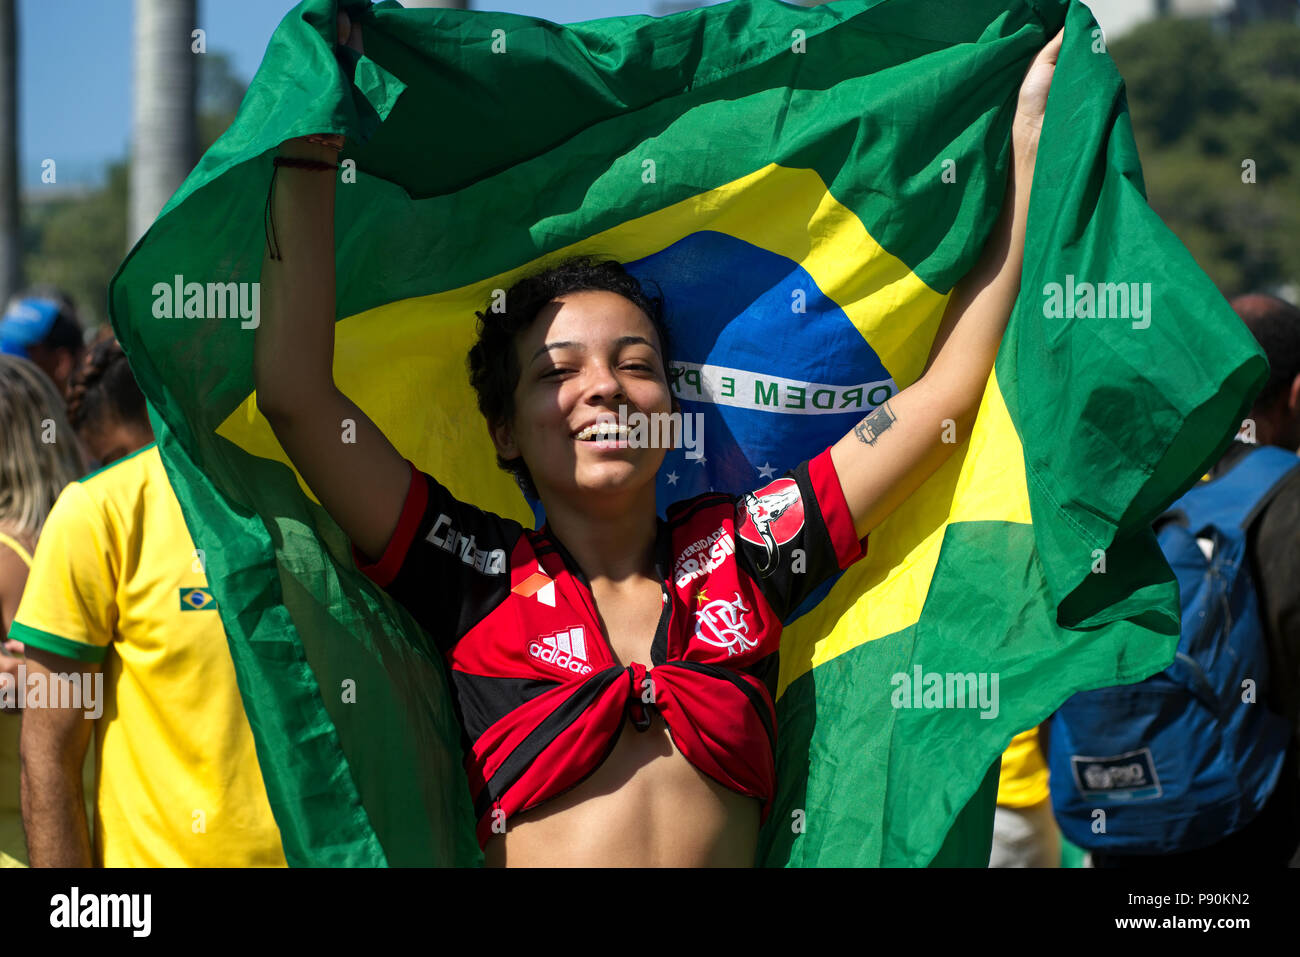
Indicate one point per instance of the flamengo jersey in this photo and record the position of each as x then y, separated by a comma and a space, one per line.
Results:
538, 691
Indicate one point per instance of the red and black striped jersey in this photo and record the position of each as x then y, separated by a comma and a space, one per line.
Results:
537, 688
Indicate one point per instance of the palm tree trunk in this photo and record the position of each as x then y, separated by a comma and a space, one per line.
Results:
164, 139
10, 235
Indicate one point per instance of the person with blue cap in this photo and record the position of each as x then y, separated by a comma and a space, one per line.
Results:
44, 329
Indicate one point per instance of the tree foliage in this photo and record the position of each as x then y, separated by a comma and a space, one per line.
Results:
1205, 100
77, 241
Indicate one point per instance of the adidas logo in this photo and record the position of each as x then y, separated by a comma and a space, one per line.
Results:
566, 650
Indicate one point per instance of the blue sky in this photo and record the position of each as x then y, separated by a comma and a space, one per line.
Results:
75, 68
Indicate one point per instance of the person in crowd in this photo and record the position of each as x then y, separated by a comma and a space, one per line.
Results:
39, 455
625, 717
1274, 546
42, 325
1272, 836
118, 601
1024, 831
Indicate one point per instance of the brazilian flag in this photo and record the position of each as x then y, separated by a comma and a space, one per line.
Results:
805, 186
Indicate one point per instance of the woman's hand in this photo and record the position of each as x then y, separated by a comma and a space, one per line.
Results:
349, 32
325, 147
1032, 102
10, 661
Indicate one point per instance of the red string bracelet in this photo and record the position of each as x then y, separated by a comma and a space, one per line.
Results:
304, 163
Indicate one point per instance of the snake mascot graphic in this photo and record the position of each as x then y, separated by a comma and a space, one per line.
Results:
773, 516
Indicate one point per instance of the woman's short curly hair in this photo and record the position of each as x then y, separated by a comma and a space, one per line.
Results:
493, 365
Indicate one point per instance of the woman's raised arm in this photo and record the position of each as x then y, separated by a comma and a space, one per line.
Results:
361, 483
891, 452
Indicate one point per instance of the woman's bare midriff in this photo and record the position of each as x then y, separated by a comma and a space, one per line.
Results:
645, 806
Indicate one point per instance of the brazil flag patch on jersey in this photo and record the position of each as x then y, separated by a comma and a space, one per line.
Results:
197, 599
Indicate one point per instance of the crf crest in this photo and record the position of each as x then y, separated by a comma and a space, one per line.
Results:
724, 623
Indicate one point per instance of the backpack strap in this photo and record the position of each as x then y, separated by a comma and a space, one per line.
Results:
1287, 480
1236, 498
1174, 516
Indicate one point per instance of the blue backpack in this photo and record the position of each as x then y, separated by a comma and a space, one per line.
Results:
1184, 758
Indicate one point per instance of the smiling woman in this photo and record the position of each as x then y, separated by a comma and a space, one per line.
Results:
589, 356
613, 671
608, 616
583, 288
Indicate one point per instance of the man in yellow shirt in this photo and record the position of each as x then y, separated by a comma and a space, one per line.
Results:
117, 595
1024, 831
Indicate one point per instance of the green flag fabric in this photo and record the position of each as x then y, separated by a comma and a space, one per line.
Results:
805, 186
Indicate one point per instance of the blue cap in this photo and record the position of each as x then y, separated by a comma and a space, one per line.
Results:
26, 322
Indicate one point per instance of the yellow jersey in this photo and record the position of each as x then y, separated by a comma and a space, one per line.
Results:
116, 579
13, 845
1023, 781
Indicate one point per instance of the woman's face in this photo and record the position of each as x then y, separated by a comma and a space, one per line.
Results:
586, 355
